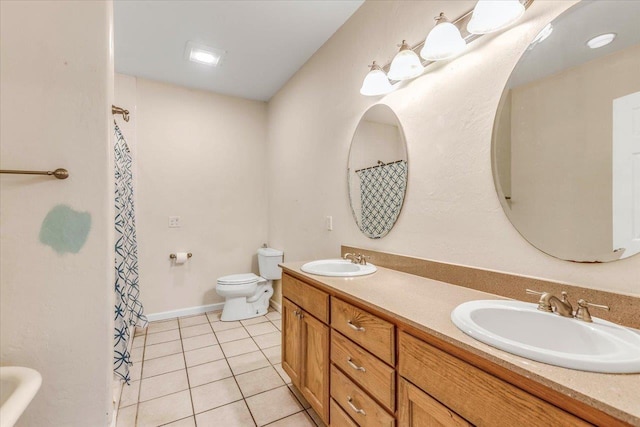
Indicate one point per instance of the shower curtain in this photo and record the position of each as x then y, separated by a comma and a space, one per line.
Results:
128, 309
382, 191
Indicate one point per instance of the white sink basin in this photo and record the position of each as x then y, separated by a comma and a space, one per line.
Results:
519, 328
337, 268
18, 386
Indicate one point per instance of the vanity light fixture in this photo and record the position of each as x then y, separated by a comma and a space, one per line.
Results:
493, 15
446, 40
376, 82
406, 64
196, 52
443, 41
601, 40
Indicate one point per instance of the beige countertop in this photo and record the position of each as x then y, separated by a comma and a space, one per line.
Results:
427, 304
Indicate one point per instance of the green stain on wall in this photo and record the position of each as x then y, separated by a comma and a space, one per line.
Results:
65, 230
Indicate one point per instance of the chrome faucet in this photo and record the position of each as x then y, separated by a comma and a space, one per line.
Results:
548, 302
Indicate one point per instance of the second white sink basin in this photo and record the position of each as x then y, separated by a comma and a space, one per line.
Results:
519, 328
338, 268
18, 386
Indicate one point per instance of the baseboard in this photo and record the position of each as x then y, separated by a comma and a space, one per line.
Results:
189, 311
276, 306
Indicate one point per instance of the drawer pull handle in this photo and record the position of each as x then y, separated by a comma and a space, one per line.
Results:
356, 410
354, 366
354, 327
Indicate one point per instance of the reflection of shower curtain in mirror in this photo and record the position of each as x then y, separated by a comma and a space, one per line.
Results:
128, 309
382, 191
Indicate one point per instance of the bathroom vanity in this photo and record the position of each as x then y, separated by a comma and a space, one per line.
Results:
381, 350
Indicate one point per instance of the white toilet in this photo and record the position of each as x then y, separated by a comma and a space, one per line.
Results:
247, 295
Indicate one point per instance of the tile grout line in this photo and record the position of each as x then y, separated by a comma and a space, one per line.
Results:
186, 371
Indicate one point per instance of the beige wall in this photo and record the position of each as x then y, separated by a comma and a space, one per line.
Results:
561, 187
56, 309
451, 212
199, 156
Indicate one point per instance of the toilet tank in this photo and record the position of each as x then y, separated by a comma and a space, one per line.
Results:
268, 260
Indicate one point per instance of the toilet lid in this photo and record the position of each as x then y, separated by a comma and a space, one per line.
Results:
238, 279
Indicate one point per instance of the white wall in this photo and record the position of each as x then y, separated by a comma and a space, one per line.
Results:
56, 309
451, 211
199, 156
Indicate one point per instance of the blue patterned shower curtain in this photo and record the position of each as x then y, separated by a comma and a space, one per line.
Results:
128, 309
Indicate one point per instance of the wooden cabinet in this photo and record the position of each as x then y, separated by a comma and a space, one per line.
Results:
314, 381
370, 373
357, 403
417, 409
305, 343
364, 328
361, 367
479, 397
291, 341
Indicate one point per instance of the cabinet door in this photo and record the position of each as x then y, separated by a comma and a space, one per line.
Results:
418, 409
291, 341
314, 383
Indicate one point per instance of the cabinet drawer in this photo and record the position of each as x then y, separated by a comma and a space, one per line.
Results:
310, 299
364, 369
371, 332
355, 402
416, 408
339, 418
477, 396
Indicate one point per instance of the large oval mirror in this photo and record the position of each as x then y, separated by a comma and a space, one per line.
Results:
566, 141
377, 171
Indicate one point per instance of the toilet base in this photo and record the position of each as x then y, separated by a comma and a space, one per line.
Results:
240, 308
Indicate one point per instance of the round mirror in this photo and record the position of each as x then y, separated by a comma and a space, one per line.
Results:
377, 171
566, 139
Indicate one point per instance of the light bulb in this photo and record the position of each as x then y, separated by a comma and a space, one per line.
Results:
443, 41
375, 82
406, 64
493, 15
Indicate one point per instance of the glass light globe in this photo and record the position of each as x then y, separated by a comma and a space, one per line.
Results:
406, 65
443, 41
493, 15
375, 82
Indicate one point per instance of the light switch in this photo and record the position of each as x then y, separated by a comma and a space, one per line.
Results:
329, 221
174, 222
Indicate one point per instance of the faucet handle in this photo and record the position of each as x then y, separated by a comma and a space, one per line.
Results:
363, 259
582, 312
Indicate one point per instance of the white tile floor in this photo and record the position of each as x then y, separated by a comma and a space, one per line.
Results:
199, 371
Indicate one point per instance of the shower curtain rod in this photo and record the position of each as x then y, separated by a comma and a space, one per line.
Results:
380, 163
119, 110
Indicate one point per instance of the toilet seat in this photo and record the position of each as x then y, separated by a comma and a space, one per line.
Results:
239, 279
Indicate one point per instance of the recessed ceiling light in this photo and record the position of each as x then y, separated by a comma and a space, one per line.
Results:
601, 40
202, 54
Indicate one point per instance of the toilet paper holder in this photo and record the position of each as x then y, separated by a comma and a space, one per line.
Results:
173, 256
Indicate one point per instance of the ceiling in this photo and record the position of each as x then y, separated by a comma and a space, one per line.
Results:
266, 41
566, 47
